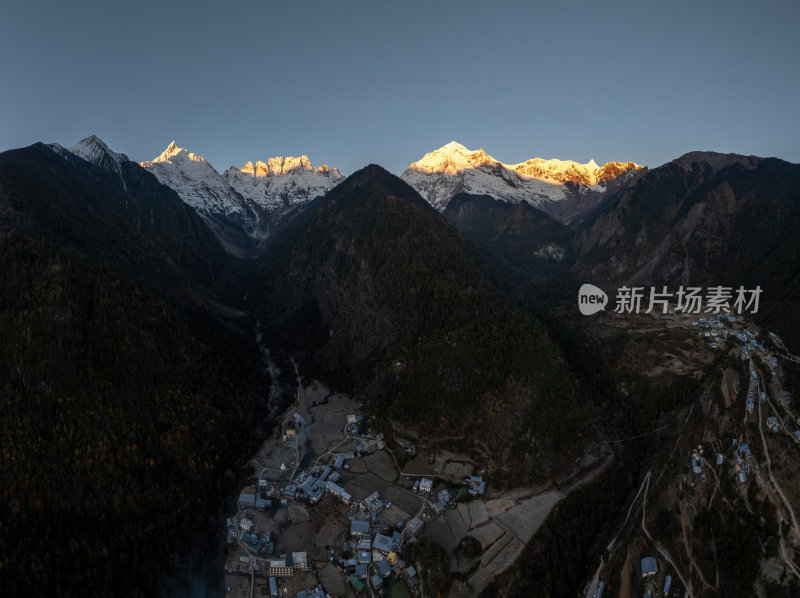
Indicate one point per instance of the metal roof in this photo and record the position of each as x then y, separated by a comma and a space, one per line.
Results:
382, 543
649, 566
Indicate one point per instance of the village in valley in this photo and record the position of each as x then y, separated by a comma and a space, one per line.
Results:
336, 509
330, 511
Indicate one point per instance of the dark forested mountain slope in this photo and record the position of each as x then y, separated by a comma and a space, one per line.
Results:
376, 291
124, 396
703, 219
522, 241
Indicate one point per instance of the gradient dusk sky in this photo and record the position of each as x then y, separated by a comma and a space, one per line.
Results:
348, 83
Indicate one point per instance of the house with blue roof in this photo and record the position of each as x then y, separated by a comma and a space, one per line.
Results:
649, 566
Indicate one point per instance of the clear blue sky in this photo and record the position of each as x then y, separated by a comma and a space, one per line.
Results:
349, 83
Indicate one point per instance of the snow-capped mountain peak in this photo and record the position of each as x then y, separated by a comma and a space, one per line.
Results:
282, 182
453, 169
93, 149
452, 158
260, 169
172, 153
453, 147
569, 171
251, 198
196, 181
282, 165
172, 150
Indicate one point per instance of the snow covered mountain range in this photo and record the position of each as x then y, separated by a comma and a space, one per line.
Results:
282, 183
252, 198
272, 187
561, 188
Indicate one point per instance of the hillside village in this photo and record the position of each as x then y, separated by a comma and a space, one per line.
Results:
734, 463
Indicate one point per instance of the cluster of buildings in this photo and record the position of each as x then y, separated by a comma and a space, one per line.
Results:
745, 462
371, 554
243, 530
422, 486
754, 348
697, 463
317, 592
283, 566
751, 348
716, 329
374, 558
308, 488
649, 566
475, 485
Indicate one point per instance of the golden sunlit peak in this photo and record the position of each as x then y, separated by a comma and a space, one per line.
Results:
173, 152
258, 169
173, 149
281, 165
454, 158
454, 146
